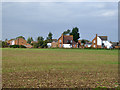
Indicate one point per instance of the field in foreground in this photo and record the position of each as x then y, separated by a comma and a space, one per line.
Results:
59, 68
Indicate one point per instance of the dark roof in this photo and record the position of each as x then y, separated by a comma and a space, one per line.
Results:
103, 37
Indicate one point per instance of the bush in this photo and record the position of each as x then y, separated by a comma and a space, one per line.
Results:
17, 46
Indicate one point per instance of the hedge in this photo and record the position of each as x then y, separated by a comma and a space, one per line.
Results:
17, 46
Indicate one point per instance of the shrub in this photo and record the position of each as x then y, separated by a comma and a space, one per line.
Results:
17, 46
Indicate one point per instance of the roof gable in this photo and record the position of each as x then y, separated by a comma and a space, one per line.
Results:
103, 38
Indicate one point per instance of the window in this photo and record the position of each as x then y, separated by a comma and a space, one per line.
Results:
60, 45
67, 41
74, 45
94, 46
71, 41
60, 41
94, 41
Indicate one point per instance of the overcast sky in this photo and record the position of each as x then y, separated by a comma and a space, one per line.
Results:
38, 19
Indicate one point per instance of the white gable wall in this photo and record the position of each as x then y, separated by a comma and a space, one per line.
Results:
99, 41
106, 43
13, 42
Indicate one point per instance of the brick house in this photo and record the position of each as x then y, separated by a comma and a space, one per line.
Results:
54, 43
66, 41
101, 42
19, 41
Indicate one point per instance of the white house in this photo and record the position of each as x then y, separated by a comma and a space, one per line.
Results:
49, 45
101, 42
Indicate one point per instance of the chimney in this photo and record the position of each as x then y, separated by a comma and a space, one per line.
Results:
96, 35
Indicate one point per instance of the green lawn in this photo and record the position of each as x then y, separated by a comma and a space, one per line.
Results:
59, 68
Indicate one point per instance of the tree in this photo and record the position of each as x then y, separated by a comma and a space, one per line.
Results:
40, 38
45, 44
83, 41
49, 38
29, 40
35, 45
75, 33
4, 44
66, 32
20, 37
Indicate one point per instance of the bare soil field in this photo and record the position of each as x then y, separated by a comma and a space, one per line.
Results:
59, 68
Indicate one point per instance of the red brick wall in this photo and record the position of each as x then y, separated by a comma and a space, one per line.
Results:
95, 39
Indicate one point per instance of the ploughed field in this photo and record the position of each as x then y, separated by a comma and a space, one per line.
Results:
59, 68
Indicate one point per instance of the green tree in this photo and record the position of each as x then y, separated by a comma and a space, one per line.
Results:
66, 32
40, 38
49, 38
83, 41
75, 33
45, 44
29, 40
35, 45
4, 44
20, 37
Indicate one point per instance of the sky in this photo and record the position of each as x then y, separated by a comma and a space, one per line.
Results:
33, 19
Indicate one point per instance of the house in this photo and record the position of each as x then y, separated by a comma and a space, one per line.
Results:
101, 42
88, 44
115, 44
66, 41
19, 41
53, 44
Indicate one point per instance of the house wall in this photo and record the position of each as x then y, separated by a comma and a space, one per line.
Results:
60, 44
117, 47
12, 42
49, 45
99, 41
75, 46
54, 44
87, 46
67, 46
94, 42
21, 41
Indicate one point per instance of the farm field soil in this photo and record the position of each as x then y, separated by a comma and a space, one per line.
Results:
59, 68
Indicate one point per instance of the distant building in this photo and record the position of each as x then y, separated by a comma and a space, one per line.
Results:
115, 44
53, 44
19, 41
88, 44
101, 42
66, 41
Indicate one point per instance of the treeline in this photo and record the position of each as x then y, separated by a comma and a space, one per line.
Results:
42, 43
